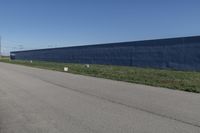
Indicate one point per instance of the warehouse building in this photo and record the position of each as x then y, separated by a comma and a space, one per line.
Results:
174, 53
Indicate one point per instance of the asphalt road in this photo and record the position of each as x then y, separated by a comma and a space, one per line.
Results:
42, 101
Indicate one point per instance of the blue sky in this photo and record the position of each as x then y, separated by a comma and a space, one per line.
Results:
30, 24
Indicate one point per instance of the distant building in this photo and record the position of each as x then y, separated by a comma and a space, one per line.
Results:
176, 53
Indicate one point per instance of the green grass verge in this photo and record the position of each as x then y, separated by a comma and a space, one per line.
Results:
187, 81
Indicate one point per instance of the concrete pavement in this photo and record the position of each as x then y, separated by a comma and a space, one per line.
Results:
42, 101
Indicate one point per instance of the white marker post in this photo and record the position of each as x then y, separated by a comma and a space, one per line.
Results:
66, 69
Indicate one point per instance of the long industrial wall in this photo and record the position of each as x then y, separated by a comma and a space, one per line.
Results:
176, 53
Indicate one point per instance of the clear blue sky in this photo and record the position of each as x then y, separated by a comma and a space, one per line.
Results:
33, 24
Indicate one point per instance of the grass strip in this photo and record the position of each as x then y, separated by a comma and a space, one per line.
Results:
179, 80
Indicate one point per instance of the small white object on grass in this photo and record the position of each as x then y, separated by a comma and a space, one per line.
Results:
31, 61
66, 69
87, 65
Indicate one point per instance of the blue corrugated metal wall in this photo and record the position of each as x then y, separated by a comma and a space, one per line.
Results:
176, 53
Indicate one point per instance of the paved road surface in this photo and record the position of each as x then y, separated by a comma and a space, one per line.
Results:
42, 101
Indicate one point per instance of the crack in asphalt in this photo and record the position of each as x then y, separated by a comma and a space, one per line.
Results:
120, 103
